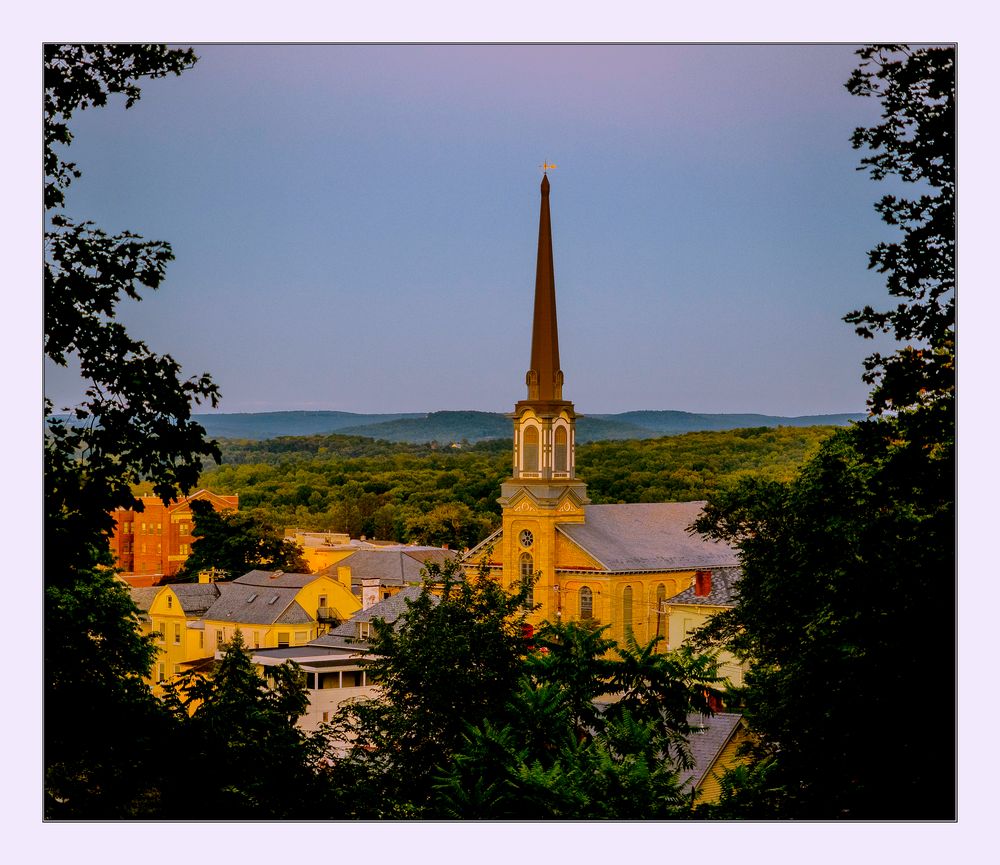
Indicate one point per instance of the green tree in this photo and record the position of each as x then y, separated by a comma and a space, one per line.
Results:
594, 731
454, 659
848, 569
238, 737
134, 424
235, 543
915, 142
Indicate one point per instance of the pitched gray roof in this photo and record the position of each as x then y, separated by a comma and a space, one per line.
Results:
257, 605
389, 610
395, 566
647, 537
708, 737
195, 598
143, 598
725, 583
275, 578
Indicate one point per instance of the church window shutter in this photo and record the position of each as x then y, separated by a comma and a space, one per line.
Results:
627, 611
531, 449
561, 449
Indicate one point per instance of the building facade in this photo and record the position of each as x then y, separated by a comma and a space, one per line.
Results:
156, 541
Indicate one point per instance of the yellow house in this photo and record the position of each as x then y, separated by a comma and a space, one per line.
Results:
275, 609
615, 564
714, 741
711, 592
172, 615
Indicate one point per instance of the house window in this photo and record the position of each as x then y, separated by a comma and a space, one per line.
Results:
301, 637
184, 528
586, 603
627, 611
220, 636
531, 449
364, 630
177, 669
201, 639
177, 633
561, 450
161, 672
144, 528
170, 602
282, 639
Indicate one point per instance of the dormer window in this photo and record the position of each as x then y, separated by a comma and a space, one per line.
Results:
364, 630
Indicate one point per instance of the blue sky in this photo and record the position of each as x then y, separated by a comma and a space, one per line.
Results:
355, 226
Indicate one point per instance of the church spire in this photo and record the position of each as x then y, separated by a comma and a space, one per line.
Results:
544, 378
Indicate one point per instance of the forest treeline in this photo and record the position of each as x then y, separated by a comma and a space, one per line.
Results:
437, 495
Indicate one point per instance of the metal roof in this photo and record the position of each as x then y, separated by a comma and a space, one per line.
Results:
647, 537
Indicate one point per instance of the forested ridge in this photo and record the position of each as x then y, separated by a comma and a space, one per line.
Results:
432, 494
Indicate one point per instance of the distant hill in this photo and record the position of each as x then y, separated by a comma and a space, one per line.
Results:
473, 426
272, 424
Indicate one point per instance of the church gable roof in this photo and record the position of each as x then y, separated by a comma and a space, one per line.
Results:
647, 537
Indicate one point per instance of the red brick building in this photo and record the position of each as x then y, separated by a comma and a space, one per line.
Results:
154, 543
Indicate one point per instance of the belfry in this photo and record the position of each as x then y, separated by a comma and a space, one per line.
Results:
608, 564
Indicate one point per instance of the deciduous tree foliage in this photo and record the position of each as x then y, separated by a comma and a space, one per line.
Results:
846, 607
135, 423
236, 543
237, 737
454, 659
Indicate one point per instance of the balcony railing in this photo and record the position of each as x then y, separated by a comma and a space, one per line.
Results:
327, 615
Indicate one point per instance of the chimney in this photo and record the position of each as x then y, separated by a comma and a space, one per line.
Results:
702, 584
369, 593
344, 575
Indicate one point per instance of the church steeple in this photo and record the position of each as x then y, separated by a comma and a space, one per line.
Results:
544, 378
545, 422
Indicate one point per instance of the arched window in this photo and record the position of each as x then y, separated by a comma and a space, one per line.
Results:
527, 576
586, 603
531, 449
561, 450
661, 597
627, 611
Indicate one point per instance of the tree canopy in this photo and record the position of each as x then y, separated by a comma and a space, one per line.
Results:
847, 600
236, 543
134, 424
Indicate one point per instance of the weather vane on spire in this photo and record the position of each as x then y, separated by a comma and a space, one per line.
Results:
545, 166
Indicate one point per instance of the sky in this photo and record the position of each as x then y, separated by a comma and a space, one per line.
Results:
355, 226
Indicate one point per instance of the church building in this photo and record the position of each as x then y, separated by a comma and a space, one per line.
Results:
614, 564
